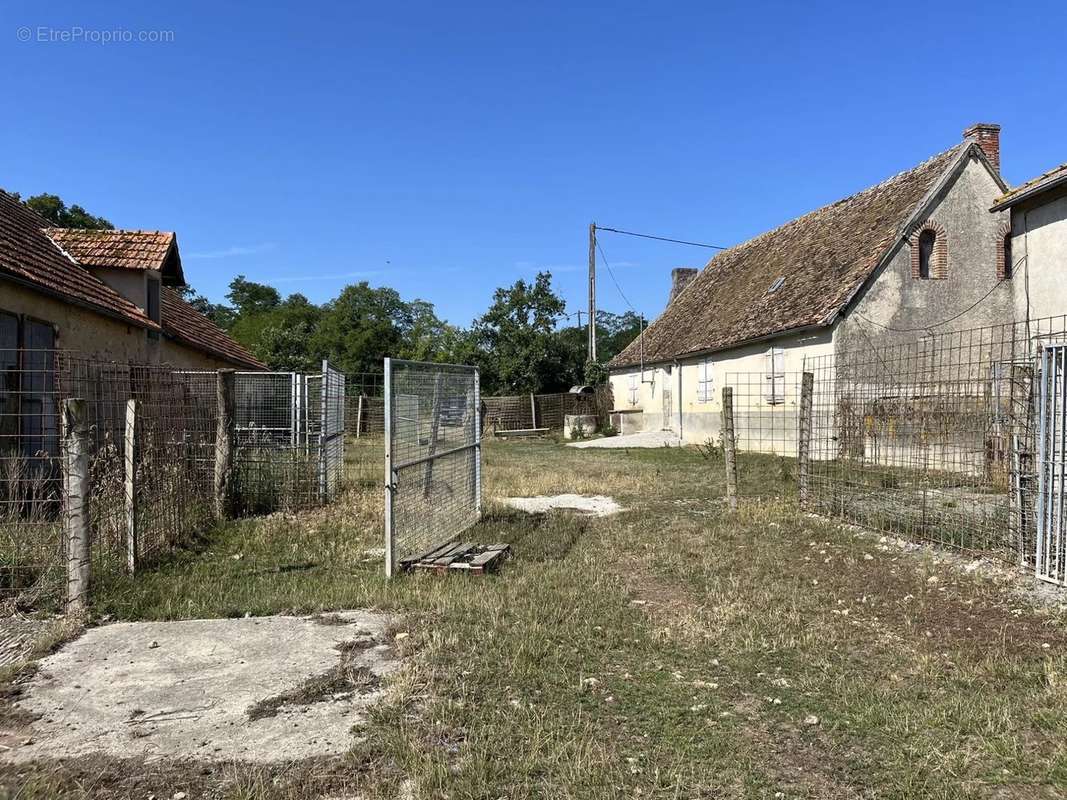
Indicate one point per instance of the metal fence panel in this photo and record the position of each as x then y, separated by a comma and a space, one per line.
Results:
1050, 556
433, 455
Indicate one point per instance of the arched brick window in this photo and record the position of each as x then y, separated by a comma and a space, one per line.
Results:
929, 251
1002, 242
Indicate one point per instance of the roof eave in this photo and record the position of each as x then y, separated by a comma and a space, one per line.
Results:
1030, 193
146, 323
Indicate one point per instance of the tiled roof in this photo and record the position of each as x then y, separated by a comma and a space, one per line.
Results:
1032, 187
28, 255
122, 249
824, 257
185, 324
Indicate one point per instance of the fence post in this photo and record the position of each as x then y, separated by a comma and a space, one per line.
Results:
1022, 454
807, 387
224, 441
729, 446
76, 501
324, 411
478, 442
390, 549
533, 412
131, 485
359, 415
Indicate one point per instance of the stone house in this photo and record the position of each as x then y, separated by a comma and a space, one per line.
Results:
911, 254
1037, 251
109, 295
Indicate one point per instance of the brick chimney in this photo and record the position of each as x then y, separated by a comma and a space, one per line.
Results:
987, 136
680, 277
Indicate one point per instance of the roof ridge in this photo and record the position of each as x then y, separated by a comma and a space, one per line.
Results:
870, 189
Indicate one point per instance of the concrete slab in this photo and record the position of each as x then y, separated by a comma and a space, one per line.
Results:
596, 505
255, 689
643, 439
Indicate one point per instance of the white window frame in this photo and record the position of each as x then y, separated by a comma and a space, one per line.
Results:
635, 384
705, 381
775, 375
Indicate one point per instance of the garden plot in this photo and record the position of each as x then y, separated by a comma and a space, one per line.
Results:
254, 689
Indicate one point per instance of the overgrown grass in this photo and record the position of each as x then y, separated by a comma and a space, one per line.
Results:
674, 650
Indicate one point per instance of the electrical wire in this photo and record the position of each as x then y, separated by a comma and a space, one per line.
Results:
662, 238
930, 327
614, 280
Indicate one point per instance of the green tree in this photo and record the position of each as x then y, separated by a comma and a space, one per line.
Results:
518, 346
249, 297
53, 209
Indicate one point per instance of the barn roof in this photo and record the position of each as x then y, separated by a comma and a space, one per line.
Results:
797, 276
28, 255
185, 324
123, 249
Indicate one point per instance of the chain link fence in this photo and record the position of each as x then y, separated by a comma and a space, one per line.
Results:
433, 456
534, 413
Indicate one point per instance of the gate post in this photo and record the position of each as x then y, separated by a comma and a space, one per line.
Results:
807, 386
729, 446
224, 441
390, 486
76, 501
323, 412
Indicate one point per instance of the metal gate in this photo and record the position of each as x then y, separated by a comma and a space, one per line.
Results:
1052, 459
433, 456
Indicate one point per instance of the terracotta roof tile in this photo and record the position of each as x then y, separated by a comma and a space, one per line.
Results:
185, 324
823, 257
122, 249
1033, 186
29, 255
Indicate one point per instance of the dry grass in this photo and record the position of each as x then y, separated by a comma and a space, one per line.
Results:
674, 650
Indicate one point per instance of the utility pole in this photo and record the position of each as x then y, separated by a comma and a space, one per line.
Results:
592, 291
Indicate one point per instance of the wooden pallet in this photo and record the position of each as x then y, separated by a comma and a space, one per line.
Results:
476, 559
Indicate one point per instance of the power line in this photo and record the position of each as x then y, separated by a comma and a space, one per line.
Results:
614, 280
930, 327
663, 238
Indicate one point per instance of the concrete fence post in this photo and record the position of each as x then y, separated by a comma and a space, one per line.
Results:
729, 446
359, 415
131, 443
807, 388
76, 501
224, 441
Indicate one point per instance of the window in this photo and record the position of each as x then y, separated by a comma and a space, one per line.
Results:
929, 252
775, 392
778, 283
927, 240
705, 384
152, 303
29, 420
9, 375
634, 384
1006, 262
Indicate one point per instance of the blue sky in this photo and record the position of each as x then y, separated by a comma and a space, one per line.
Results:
447, 149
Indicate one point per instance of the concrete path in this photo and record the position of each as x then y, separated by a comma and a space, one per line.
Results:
257, 689
643, 439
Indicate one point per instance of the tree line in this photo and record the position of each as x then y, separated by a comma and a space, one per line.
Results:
522, 343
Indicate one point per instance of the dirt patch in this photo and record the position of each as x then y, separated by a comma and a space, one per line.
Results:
188, 690
594, 505
642, 440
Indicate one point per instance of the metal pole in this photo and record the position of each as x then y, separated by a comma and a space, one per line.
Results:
478, 443
323, 411
389, 477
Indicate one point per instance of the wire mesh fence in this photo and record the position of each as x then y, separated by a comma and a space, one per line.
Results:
531, 413
364, 427
433, 456
150, 445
